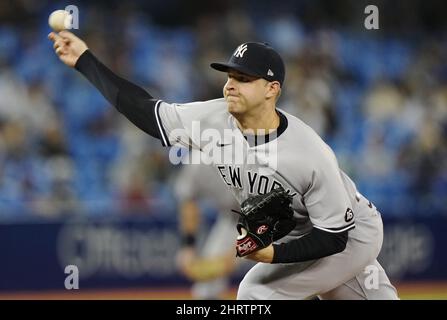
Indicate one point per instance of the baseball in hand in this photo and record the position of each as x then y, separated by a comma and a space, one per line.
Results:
60, 20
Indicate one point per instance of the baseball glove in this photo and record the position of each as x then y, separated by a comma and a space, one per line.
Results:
264, 219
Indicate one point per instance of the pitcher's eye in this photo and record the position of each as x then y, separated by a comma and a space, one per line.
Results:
244, 79
241, 77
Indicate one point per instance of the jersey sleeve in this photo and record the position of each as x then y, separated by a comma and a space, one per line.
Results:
327, 200
184, 123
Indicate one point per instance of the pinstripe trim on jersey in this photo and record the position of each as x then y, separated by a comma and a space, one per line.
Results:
164, 137
337, 230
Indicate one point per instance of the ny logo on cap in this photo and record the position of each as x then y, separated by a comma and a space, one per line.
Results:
239, 53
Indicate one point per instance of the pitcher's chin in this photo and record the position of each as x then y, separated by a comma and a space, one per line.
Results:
233, 108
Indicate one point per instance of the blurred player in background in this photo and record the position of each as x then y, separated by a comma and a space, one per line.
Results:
209, 261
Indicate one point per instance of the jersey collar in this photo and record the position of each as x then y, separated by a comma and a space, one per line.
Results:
254, 141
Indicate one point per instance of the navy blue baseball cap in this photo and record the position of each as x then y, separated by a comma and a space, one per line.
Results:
256, 59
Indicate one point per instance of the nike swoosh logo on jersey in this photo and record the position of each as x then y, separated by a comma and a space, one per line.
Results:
220, 145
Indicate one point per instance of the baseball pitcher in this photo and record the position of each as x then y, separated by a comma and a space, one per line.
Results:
301, 217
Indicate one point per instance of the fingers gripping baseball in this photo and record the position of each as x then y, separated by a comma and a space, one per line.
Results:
67, 46
60, 46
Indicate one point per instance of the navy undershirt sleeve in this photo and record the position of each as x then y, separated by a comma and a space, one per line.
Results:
317, 244
129, 99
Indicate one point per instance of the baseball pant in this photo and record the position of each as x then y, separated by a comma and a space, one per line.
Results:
351, 274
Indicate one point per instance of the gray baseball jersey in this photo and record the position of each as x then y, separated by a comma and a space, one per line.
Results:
324, 197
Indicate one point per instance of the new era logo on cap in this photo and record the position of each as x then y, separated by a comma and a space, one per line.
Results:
256, 59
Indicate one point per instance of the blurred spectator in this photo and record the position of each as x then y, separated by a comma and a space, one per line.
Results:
379, 100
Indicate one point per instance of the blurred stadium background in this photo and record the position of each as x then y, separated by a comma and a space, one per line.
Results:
80, 185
